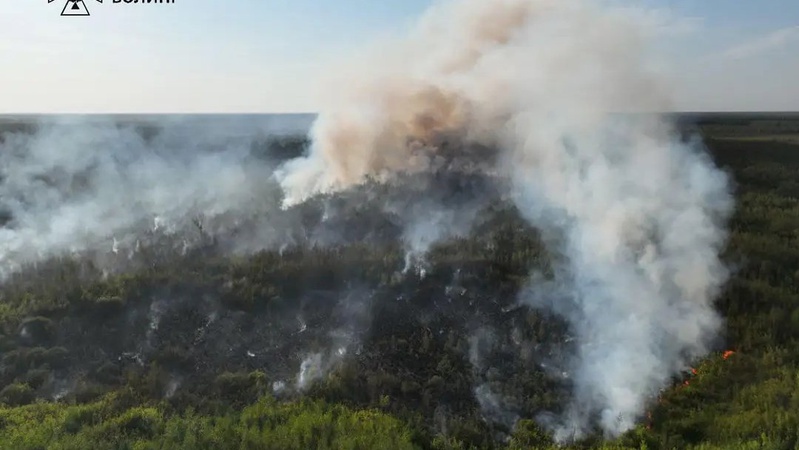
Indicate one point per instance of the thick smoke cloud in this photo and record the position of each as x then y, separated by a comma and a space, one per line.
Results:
559, 88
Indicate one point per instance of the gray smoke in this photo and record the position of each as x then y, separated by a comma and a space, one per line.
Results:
352, 318
79, 184
560, 88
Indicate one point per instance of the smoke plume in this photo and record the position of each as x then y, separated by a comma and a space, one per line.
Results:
559, 91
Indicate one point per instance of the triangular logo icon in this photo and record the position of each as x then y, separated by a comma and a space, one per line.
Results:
75, 8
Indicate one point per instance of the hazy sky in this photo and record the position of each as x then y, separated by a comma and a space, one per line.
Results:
266, 55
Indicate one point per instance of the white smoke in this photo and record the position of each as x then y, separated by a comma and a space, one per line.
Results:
637, 215
426, 221
354, 316
78, 184
312, 368
641, 233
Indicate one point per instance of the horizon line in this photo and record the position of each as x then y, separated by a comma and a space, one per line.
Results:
306, 113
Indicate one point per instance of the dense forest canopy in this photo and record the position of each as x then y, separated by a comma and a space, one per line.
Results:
339, 328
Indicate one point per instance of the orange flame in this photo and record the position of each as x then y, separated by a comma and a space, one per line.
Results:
727, 354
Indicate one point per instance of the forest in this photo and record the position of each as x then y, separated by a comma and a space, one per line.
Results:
341, 347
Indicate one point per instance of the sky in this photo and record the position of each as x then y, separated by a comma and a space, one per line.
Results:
252, 56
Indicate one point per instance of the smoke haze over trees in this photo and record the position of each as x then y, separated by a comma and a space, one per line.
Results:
485, 239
